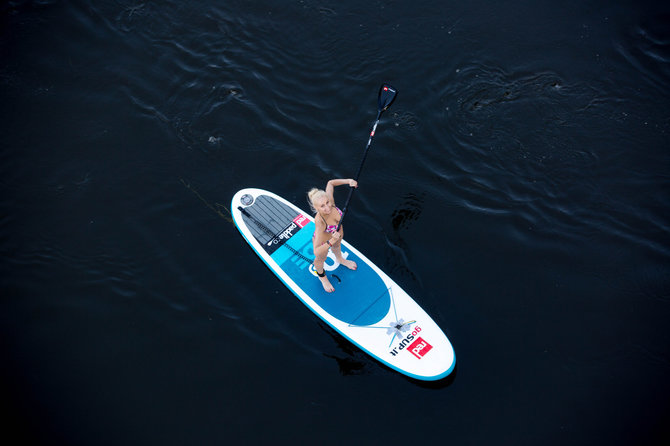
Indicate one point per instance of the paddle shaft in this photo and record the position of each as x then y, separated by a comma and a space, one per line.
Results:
360, 168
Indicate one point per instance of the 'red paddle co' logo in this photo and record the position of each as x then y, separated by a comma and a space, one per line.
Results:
301, 221
412, 342
419, 347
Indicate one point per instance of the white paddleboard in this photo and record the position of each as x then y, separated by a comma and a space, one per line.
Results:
367, 307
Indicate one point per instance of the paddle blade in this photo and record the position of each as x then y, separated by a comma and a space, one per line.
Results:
386, 96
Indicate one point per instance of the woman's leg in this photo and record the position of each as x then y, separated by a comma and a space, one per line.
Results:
337, 250
319, 267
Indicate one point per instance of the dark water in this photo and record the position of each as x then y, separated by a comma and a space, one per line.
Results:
518, 188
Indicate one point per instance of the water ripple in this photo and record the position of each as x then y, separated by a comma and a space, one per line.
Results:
646, 47
518, 143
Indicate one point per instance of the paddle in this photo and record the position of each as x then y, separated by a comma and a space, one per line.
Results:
386, 96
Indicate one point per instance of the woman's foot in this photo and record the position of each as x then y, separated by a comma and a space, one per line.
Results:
349, 264
327, 286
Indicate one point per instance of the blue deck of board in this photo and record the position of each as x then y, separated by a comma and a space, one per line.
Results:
360, 296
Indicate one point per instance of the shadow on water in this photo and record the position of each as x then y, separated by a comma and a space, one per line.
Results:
218, 208
402, 217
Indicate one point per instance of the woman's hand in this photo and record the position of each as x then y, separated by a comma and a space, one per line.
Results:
335, 237
353, 183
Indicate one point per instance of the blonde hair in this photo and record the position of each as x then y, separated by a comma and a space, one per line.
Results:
313, 195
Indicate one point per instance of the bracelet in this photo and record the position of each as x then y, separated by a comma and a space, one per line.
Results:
328, 241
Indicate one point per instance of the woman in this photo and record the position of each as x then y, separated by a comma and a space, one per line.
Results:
326, 236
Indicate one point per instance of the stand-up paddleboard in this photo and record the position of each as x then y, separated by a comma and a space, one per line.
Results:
367, 307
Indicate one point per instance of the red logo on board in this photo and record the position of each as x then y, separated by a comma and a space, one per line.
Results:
301, 220
419, 348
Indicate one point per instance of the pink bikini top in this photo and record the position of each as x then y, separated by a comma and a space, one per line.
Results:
332, 228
